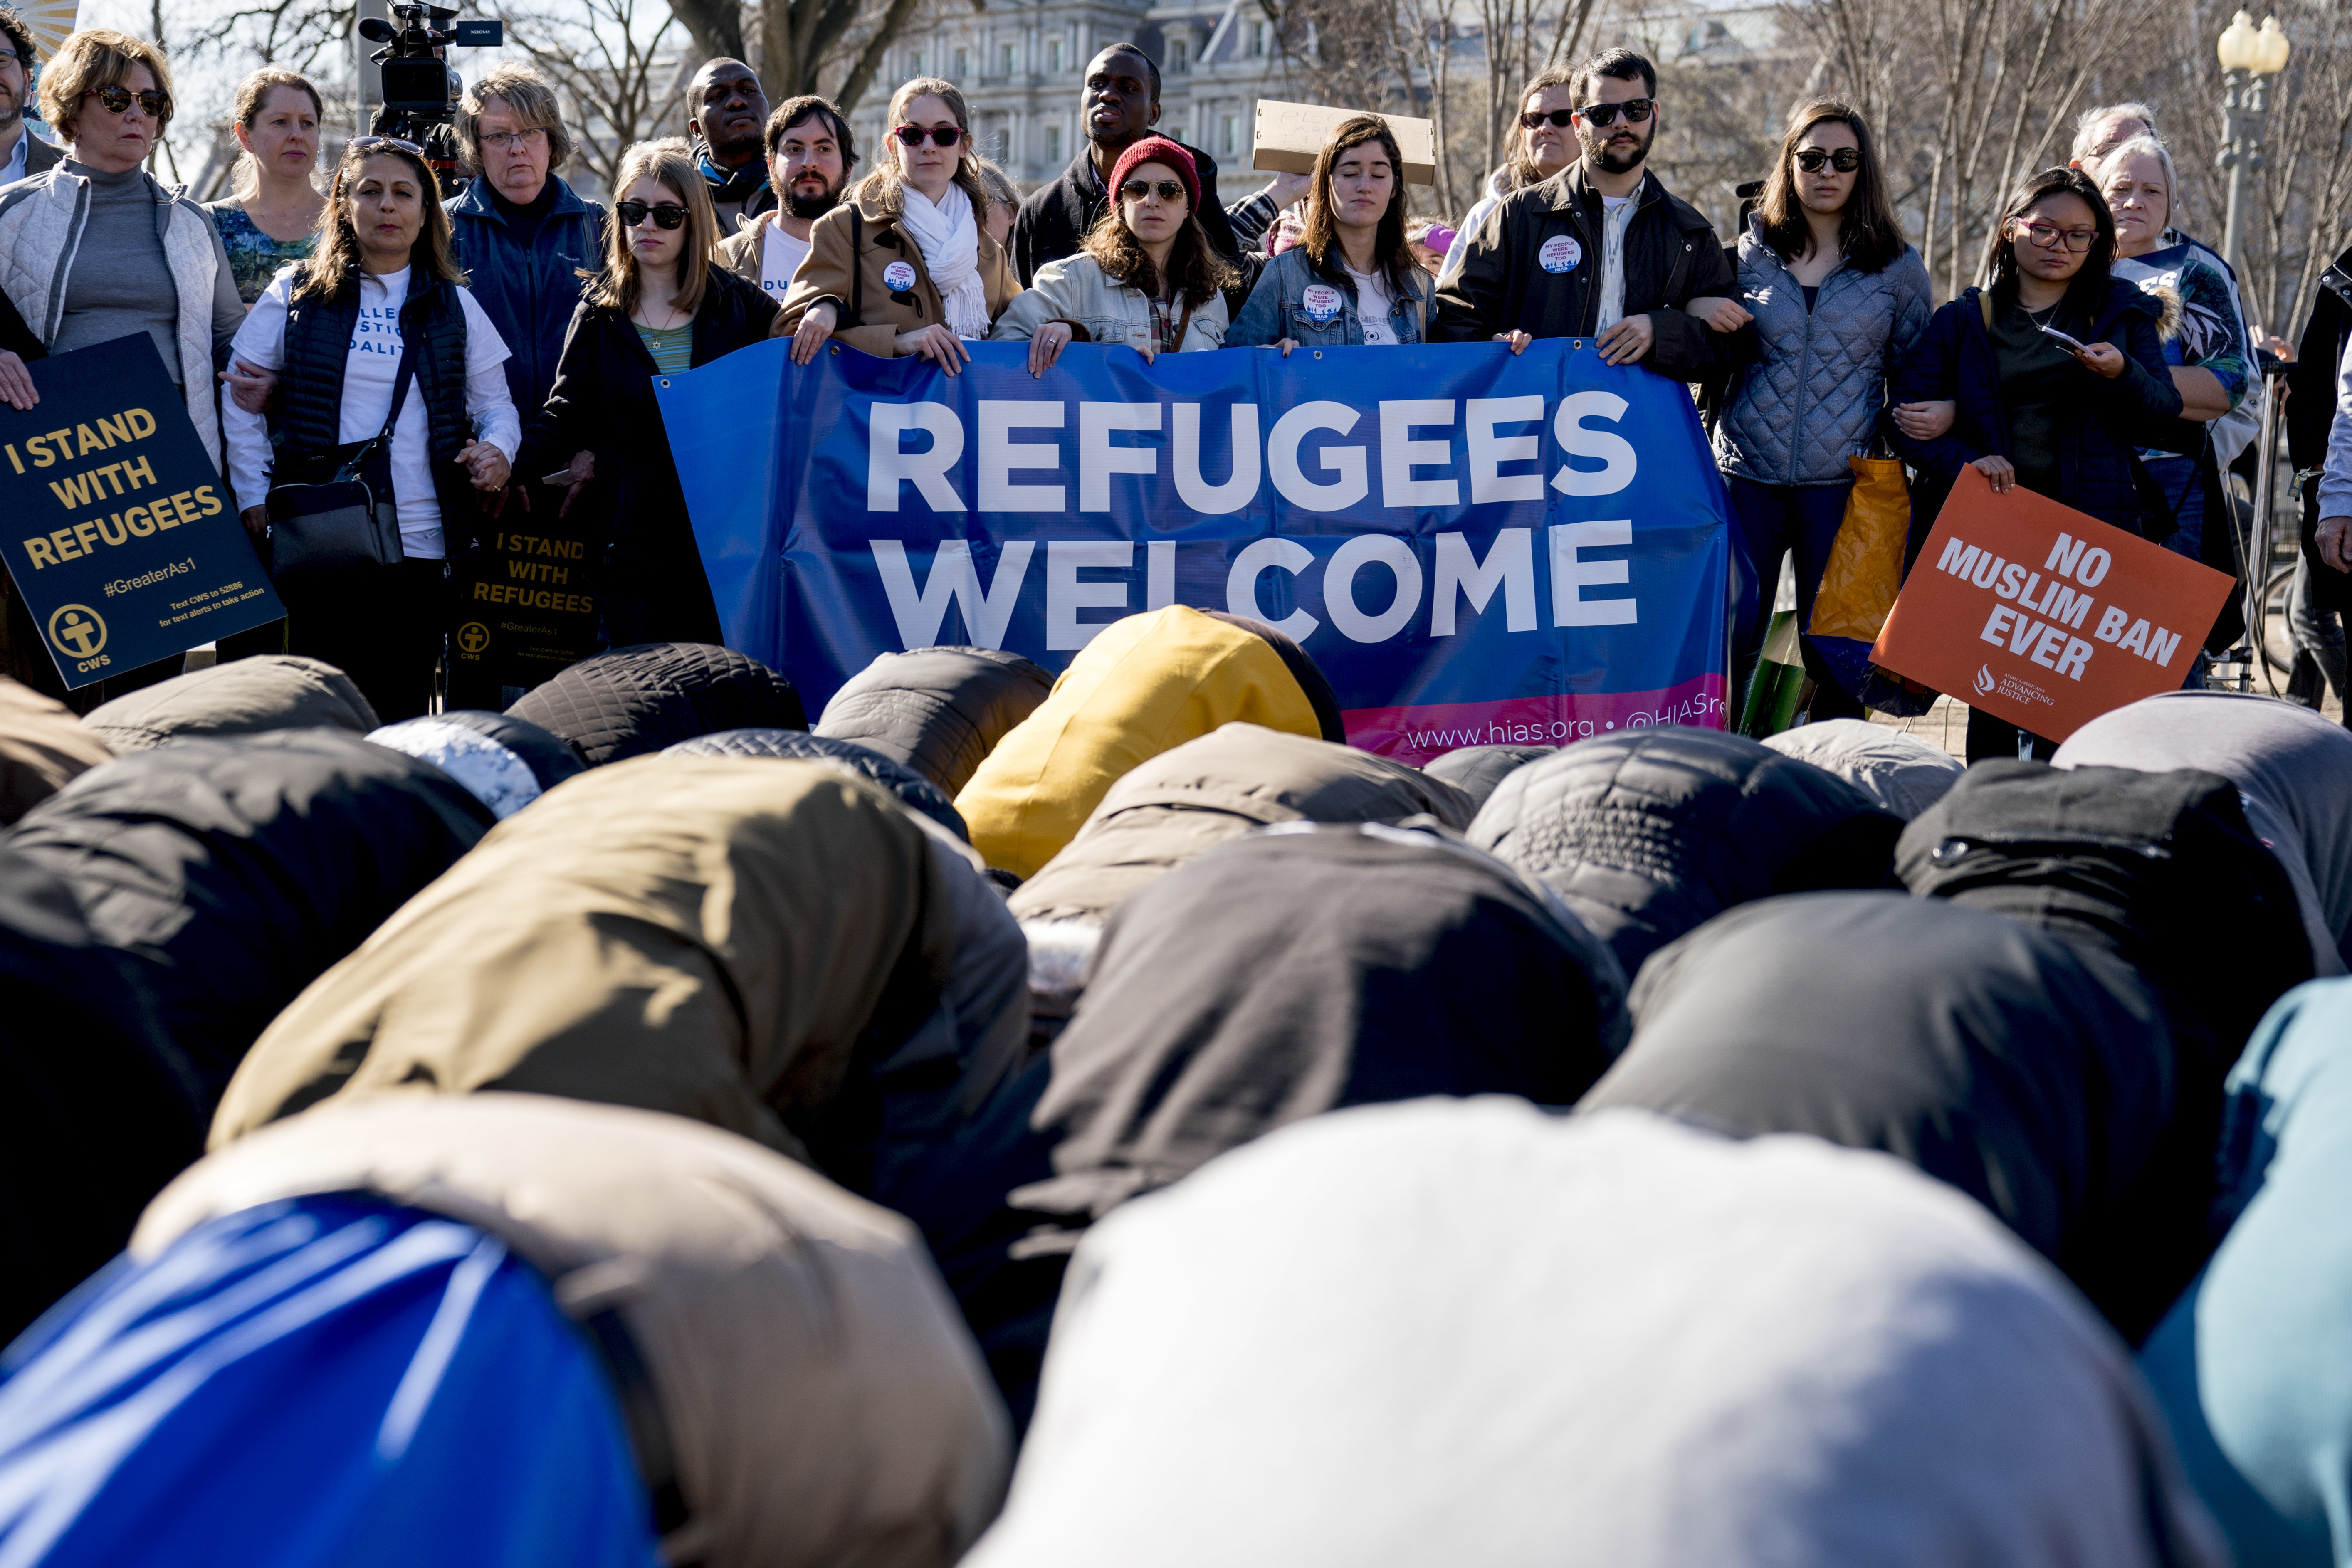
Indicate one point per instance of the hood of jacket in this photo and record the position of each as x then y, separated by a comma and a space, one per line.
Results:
909, 788
938, 710
638, 700
1903, 774
1649, 835
1144, 685
243, 696
716, 937
1478, 770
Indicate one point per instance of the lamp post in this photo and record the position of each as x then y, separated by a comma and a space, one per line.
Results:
2249, 56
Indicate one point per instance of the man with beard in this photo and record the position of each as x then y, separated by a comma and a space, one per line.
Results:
725, 112
809, 154
1601, 249
26, 154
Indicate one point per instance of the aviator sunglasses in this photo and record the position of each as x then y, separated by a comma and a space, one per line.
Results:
118, 101
1136, 190
1845, 160
633, 215
940, 135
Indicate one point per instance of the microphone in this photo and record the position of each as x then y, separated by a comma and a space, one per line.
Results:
375, 29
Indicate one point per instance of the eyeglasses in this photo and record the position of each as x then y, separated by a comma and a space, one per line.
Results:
364, 142
24, 58
154, 103
512, 140
2048, 235
1635, 111
1136, 190
1562, 118
1845, 160
944, 135
665, 215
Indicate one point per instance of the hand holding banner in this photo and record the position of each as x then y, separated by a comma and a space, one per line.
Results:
2048, 618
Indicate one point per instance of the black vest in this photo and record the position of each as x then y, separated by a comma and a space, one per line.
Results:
310, 387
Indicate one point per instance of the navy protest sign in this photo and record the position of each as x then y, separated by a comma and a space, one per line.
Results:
120, 535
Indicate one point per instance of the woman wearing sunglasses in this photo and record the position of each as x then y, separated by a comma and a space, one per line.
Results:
662, 303
1352, 279
905, 265
94, 249
1146, 277
1837, 299
376, 331
2031, 408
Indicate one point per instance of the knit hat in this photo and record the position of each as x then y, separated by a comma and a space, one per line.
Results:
1158, 150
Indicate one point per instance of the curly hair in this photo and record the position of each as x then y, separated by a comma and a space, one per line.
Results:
1195, 268
96, 57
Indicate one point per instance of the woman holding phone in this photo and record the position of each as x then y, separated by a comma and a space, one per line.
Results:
661, 304
2057, 373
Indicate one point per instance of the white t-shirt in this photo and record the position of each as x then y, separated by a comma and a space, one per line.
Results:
1373, 302
369, 371
1616, 217
780, 256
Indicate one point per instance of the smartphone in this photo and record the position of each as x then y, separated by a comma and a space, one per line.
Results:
2074, 345
561, 476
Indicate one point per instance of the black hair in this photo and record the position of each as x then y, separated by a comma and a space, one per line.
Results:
2087, 289
807, 107
1620, 65
20, 37
1139, 53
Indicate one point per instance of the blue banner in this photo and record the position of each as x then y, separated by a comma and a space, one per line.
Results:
1475, 546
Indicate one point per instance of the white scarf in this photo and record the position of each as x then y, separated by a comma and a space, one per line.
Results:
948, 237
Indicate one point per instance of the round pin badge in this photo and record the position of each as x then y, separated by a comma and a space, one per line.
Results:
1321, 304
1560, 253
900, 276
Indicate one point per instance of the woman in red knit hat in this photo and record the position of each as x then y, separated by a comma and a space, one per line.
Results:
1146, 275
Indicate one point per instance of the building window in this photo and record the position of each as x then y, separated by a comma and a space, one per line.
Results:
1054, 56
915, 62
962, 65
1259, 33
1227, 128
1005, 60
1053, 145
1179, 52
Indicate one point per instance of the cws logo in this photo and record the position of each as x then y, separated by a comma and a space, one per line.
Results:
77, 632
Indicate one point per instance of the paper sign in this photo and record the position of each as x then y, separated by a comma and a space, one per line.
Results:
2045, 617
119, 531
1290, 135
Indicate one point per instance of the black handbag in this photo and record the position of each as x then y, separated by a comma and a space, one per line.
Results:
339, 525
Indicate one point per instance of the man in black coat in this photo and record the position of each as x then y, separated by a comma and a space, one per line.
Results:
726, 115
1601, 249
1119, 106
2310, 415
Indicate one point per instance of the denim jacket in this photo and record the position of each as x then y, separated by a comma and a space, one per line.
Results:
1277, 306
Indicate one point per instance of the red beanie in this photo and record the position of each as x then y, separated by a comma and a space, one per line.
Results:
1158, 150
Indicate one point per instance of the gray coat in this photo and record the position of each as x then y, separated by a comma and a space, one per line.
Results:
1812, 398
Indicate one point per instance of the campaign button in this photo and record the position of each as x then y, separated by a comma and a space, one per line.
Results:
1321, 304
1560, 253
898, 276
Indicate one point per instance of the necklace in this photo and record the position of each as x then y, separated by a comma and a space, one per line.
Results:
2046, 317
670, 309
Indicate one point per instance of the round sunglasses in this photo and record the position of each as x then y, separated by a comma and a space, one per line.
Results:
940, 135
154, 103
1136, 190
633, 215
1845, 160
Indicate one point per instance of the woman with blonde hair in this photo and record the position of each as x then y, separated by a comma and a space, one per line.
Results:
661, 304
383, 358
906, 264
272, 220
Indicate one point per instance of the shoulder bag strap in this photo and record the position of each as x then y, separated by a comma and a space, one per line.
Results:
856, 268
382, 440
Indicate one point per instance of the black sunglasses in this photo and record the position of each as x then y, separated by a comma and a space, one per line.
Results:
665, 215
942, 135
1635, 111
1136, 190
364, 142
1562, 118
118, 101
1845, 160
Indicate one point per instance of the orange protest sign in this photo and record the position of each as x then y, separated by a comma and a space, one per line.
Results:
2035, 611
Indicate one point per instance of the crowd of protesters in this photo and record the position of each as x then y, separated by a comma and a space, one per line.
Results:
1047, 1119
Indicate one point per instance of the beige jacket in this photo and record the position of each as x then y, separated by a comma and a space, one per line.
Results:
1077, 291
852, 249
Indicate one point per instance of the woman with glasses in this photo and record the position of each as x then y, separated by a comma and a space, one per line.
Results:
272, 221
377, 332
905, 265
1147, 275
94, 249
1352, 280
1837, 297
2057, 372
661, 304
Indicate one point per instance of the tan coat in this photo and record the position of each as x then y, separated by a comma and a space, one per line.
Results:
830, 273
740, 251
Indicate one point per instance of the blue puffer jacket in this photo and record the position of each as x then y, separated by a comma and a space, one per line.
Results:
1812, 398
528, 296
2099, 470
1277, 306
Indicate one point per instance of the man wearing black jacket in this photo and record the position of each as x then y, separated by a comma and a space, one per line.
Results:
2324, 590
1119, 105
727, 116
1601, 249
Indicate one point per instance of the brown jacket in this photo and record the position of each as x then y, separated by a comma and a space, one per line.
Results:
740, 251
831, 272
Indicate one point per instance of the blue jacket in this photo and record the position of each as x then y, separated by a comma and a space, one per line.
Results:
1277, 306
529, 298
2099, 470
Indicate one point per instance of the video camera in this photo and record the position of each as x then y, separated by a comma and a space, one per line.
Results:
419, 89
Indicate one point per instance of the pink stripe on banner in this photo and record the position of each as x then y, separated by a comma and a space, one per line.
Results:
1416, 734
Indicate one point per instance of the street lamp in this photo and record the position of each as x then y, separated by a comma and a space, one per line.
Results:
2248, 56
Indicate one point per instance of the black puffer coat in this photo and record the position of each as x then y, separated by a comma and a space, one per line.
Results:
1648, 833
235, 871
638, 700
1479, 771
938, 710
915, 792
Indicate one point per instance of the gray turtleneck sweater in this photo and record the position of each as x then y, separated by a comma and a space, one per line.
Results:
120, 282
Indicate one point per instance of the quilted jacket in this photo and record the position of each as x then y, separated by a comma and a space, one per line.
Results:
1812, 398
642, 698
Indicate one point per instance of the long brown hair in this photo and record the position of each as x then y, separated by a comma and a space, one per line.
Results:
1868, 231
1196, 270
335, 264
1320, 237
886, 186
668, 162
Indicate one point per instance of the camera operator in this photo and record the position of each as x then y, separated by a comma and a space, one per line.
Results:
727, 117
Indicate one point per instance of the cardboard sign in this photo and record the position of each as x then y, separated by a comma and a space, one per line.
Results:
122, 536
1290, 135
2034, 612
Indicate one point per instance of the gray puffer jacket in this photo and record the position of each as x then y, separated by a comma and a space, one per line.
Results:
1813, 395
